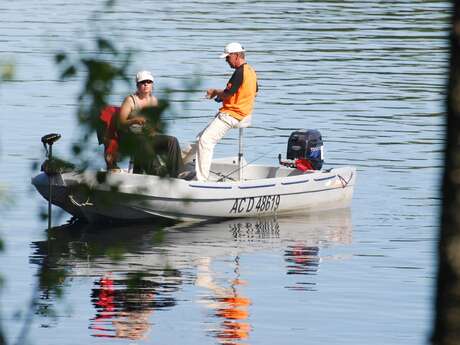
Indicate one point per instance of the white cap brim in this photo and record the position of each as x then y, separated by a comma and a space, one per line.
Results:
144, 75
224, 55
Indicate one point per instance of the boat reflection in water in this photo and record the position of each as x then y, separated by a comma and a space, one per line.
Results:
227, 302
138, 269
126, 289
299, 239
123, 308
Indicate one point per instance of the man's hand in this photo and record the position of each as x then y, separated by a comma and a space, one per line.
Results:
211, 93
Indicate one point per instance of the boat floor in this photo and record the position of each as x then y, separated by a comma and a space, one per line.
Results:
227, 170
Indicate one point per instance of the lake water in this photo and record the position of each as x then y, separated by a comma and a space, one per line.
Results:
369, 75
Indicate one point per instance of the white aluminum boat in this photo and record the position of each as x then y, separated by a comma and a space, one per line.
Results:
264, 190
235, 189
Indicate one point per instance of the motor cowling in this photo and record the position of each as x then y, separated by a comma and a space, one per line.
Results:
306, 145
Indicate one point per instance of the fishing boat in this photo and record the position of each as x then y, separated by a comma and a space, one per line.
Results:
296, 185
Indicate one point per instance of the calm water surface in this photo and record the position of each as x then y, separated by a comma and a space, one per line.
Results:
369, 75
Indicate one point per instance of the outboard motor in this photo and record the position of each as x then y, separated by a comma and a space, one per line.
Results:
305, 150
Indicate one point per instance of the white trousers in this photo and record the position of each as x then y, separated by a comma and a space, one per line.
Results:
207, 139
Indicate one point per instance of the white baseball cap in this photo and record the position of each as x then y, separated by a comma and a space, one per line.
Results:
144, 75
233, 47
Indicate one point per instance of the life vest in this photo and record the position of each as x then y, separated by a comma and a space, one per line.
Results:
107, 132
240, 104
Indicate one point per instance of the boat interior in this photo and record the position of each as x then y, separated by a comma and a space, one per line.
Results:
227, 169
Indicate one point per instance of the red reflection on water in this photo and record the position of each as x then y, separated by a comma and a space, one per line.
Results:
111, 321
302, 260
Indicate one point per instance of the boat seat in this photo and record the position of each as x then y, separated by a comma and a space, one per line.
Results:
246, 122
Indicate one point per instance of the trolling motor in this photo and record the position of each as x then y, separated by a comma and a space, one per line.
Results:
48, 141
304, 150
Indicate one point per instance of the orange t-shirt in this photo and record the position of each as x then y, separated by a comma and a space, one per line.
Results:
241, 91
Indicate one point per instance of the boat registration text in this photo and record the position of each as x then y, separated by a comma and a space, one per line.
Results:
256, 204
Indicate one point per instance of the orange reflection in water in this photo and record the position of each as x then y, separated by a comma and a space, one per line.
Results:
233, 308
230, 306
234, 311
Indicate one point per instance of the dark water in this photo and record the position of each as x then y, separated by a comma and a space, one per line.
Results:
369, 75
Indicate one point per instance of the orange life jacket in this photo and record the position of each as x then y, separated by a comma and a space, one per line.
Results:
240, 104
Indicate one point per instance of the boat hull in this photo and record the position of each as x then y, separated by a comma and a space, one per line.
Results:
133, 197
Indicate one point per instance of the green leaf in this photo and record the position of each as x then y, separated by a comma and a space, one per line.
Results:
104, 44
69, 72
76, 149
7, 71
60, 57
115, 253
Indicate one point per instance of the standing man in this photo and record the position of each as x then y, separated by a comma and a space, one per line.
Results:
237, 104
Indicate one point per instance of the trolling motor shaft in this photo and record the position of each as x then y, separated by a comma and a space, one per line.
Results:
48, 141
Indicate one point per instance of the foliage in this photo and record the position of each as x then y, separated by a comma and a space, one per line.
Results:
101, 68
7, 71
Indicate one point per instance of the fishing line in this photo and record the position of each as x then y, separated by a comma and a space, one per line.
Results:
222, 176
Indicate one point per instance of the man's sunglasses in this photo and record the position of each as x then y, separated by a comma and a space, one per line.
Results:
146, 82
